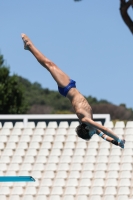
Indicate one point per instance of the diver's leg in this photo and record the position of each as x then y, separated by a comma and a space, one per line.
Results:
59, 76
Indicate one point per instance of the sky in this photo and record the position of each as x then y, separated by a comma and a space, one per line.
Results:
88, 40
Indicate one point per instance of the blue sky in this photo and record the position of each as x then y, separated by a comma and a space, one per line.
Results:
88, 40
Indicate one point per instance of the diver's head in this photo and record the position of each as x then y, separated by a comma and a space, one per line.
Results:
84, 132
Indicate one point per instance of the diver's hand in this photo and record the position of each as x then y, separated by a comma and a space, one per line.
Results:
121, 143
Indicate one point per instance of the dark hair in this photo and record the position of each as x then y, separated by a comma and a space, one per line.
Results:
82, 132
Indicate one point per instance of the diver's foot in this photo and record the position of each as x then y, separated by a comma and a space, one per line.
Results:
27, 41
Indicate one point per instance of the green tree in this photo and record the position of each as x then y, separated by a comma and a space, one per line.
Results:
44, 101
12, 99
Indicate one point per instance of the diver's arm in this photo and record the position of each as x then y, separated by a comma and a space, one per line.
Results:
98, 126
104, 136
109, 139
104, 130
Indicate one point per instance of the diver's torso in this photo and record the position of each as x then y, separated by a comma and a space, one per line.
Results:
79, 103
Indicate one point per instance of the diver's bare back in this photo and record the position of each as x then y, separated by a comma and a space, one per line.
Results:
79, 103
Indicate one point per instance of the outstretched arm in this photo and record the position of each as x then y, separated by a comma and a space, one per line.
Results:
103, 129
98, 126
123, 10
109, 139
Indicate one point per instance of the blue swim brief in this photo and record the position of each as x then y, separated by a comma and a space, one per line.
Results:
64, 91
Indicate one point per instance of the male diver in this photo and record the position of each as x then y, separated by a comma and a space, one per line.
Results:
67, 88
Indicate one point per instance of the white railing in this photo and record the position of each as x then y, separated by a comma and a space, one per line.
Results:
71, 117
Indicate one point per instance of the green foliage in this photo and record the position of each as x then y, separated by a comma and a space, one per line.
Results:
17, 92
42, 100
93, 101
36, 95
123, 105
11, 92
62, 112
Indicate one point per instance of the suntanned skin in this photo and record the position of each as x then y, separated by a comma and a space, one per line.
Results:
81, 107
